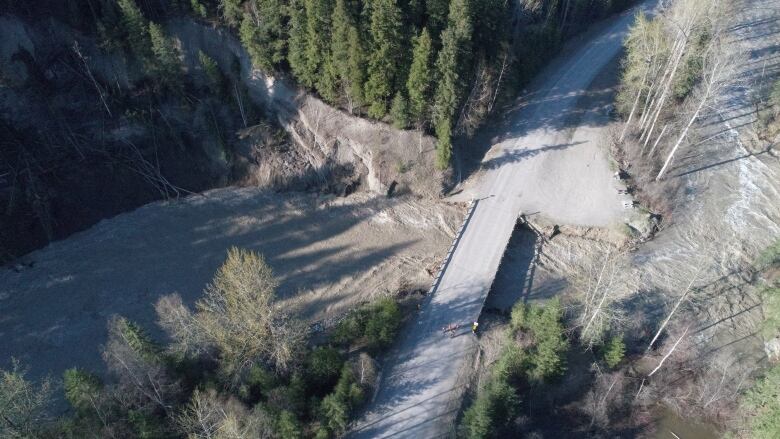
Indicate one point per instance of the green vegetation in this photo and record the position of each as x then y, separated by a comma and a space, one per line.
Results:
770, 257
375, 324
533, 351
419, 83
399, 111
376, 56
614, 351
762, 405
498, 402
167, 64
544, 326
238, 367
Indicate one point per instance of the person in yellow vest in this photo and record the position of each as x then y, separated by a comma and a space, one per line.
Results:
474, 327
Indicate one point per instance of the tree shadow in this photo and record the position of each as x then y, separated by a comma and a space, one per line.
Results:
518, 155
125, 264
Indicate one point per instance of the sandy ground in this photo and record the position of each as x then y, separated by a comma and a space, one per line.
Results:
328, 252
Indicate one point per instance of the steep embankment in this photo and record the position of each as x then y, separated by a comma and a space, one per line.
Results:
327, 137
89, 133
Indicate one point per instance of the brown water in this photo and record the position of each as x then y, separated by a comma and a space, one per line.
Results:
669, 425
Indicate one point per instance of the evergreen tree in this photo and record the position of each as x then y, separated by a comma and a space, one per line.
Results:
198, 8
356, 71
328, 83
451, 66
339, 45
419, 82
167, 65
296, 44
211, 69
445, 100
262, 33
317, 35
437, 11
399, 111
287, 426
347, 57
134, 25
386, 55
444, 144
81, 388
231, 11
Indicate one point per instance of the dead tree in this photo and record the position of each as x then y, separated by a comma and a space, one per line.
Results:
91, 77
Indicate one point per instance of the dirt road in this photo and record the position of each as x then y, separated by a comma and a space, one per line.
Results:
549, 162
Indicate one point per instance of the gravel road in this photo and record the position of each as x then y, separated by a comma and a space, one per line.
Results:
549, 162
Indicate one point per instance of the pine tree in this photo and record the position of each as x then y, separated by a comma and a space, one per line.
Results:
347, 57
81, 389
419, 82
385, 58
263, 34
296, 44
445, 100
339, 45
167, 64
356, 71
328, 83
399, 111
451, 66
444, 144
317, 34
134, 25
437, 11
231, 11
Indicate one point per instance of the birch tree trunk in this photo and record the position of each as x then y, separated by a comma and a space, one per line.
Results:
707, 93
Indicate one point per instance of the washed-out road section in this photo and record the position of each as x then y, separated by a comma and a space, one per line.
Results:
549, 162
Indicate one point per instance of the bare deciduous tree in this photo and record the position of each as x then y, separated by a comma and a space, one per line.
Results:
602, 285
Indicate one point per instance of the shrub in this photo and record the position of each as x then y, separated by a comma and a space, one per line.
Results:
546, 357
335, 413
383, 323
323, 367
287, 426
763, 406
770, 257
496, 405
614, 351
259, 381
378, 323
770, 304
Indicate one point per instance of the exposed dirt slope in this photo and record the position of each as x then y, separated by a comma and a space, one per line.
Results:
328, 137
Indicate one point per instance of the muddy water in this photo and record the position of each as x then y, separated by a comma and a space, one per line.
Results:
669, 425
